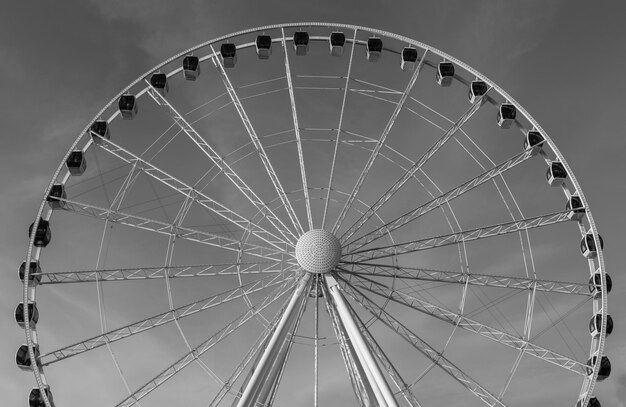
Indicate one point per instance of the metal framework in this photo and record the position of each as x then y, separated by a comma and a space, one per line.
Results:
252, 261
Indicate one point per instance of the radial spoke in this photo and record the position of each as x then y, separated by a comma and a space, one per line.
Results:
414, 168
170, 229
431, 353
159, 319
463, 236
194, 194
150, 273
423, 274
457, 319
198, 351
379, 145
341, 113
296, 129
257, 144
435, 202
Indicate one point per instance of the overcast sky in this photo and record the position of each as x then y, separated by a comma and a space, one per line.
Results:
61, 61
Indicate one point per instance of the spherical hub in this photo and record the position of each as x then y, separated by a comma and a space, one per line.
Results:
318, 251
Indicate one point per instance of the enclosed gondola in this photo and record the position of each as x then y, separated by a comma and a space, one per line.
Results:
263, 46
100, 130
595, 283
533, 140
35, 398
588, 246
228, 51
33, 314
43, 234
445, 73
34, 272
556, 173
408, 58
595, 325
22, 357
605, 366
336, 41
506, 115
56, 196
76, 163
477, 89
593, 402
128, 106
191, 67
301, 42
575, 206
159, 82
374, 49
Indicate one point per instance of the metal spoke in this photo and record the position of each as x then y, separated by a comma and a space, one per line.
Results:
316, 341
194, 194
488, 280
222, 164
414, 168
435, 202
402, 386
170, 229
424, 348
296, 129
159, 319
468, 324
463, 236
198, 351
151, 273
341, 113
257, 143
379, 145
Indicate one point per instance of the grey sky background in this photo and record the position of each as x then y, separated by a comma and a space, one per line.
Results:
60, 62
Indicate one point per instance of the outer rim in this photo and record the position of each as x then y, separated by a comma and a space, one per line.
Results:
588, 383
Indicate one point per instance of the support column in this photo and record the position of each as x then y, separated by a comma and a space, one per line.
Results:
384, 395
248, 398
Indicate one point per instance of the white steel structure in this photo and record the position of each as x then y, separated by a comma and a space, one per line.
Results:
332, 219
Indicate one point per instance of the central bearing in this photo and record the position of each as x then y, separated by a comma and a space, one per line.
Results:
318, 251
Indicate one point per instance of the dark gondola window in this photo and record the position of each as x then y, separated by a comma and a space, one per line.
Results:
34, 268
533, 138
301, 38
42, 234
508, 111
158, 80
374, 44
409, 54
33, 313
445, 69
191, 63
127, 102
263, 42
35, 398
337, 39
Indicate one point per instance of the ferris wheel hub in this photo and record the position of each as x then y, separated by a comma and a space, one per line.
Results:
318, 251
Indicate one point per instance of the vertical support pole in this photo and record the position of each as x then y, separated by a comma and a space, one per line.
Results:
248, 398
317, 305
384, 395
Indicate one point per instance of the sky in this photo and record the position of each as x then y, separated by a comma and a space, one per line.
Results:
60, 63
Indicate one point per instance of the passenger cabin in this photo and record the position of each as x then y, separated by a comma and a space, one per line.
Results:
128, 107
477, 89
556, 174
159, 82
374, 49
595, 283
263, 46
191, 67
445, 73
533, 140
506, 115
409, 58
33, 272
595, 325
593, 402
229, 55
56, 192
76, 163
100, 130
301, 42
22, 357
575, 206
588, 246
33, 314
43, 234
35, 398
605, 367
336, 41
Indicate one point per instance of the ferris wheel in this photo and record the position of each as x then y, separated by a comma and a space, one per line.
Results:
314, 213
